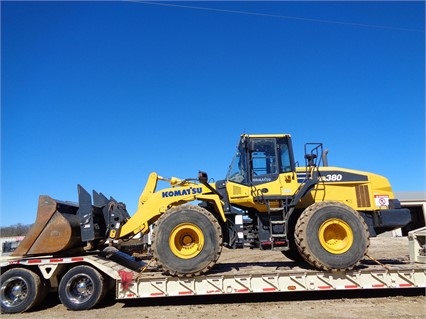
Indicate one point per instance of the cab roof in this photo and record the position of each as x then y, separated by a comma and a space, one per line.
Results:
265, 135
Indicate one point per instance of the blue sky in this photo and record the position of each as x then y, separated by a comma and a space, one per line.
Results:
102, 94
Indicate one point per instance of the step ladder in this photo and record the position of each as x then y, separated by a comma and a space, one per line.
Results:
276, 219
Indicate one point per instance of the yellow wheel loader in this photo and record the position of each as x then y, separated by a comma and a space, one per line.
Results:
313, 212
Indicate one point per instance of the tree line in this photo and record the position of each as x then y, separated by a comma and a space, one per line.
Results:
14, 230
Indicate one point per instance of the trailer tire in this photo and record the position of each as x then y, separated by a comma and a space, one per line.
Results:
81, 288
186, 241
332, 236
21, 289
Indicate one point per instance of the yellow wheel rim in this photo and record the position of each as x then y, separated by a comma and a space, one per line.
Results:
336, 236
186, 241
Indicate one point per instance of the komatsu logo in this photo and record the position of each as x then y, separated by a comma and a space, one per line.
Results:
183, 192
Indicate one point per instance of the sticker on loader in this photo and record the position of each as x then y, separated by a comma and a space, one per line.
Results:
381, 200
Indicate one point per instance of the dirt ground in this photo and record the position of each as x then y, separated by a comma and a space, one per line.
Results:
384, 304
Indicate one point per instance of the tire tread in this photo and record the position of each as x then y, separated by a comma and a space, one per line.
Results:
301, 232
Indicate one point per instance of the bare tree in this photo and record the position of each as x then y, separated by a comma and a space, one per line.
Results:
14, 230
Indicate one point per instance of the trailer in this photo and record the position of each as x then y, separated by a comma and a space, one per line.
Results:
81, 281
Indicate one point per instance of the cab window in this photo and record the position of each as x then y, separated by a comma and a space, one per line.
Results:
285, 158
264, 157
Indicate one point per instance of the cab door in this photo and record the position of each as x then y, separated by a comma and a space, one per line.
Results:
272, 167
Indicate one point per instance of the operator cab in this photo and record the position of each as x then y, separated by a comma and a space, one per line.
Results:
261, 158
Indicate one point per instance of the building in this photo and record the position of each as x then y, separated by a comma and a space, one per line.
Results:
416, 203
9, 244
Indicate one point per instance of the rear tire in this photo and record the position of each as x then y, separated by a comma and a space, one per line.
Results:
186, 241
332, 236
81, 288
293, 253
21, 290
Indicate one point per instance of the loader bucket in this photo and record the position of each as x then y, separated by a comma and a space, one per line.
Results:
56, 229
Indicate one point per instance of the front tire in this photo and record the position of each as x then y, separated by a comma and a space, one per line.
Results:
332, 236
186, 241
81, 288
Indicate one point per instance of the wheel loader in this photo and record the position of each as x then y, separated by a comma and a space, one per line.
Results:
313, 212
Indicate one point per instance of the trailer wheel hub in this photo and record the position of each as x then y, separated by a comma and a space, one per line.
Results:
186, 241
13, 291
335, 236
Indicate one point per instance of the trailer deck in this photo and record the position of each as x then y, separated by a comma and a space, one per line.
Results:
134, 278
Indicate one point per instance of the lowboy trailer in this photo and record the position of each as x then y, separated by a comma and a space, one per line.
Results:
82, 281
